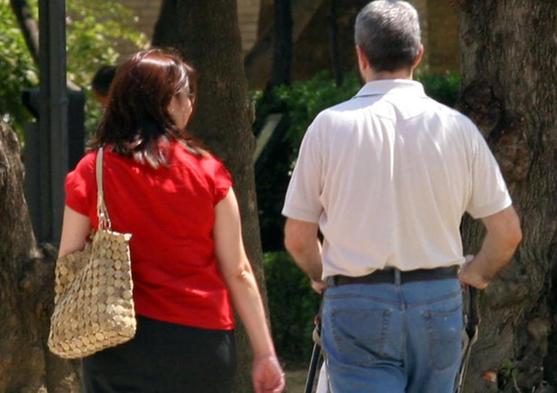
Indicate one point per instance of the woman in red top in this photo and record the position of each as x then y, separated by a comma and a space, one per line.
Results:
188, 259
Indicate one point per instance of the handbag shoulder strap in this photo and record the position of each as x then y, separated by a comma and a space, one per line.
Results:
102, 211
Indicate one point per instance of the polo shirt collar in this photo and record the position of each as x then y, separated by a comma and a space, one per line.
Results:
392, 86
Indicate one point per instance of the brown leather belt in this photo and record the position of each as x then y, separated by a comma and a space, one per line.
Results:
394, 276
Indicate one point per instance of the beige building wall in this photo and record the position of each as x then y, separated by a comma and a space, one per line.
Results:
438, 19
443, 41
439, 23
248, 18
147, 12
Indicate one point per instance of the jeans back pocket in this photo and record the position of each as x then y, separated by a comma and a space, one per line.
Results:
360, 335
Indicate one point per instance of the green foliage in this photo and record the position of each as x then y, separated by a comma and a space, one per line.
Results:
17, 70
306, 99
508, 373
441, 87
93, 31
293, 306
94, 27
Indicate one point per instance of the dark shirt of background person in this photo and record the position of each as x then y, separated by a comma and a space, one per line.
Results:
101, 83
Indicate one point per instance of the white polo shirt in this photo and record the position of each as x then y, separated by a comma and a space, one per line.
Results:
388, 176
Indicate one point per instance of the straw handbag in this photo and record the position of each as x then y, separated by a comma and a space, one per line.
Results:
93, 304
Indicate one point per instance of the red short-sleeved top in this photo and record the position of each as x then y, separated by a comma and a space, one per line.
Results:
170, 212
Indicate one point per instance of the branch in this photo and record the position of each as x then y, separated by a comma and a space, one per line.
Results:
28, 27
30, 30
282, 48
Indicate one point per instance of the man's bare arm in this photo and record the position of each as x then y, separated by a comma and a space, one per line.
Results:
302, 242
500, 243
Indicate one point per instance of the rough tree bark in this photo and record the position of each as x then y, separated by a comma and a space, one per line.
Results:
26, 290
207, 35
266, 17
509, 70
282, 48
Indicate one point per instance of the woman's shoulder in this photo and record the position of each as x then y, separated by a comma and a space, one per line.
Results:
206, 162
86, 163
80, 184
214, 165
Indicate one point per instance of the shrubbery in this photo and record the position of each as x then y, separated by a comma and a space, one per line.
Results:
293, 306
443, 88
304, 100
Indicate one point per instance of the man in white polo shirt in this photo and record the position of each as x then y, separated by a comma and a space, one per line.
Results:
387, 176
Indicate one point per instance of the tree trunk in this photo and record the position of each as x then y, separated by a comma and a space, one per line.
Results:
258, 62
282, 48
509, 69
334, 52
26, 290
207, 35
265, 18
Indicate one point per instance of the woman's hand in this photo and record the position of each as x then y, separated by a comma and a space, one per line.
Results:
267, 375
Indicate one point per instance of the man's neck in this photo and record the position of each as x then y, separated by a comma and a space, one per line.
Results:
371, 76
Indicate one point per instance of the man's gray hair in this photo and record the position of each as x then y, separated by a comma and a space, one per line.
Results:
388, 31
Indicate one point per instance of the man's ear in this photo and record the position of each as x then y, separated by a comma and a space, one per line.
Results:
419, 58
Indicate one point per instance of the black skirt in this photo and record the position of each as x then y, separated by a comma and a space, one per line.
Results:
164, 358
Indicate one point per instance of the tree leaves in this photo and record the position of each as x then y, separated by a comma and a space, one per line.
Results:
94, 31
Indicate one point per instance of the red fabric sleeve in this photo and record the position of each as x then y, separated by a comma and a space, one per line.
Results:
222, 181
81, 185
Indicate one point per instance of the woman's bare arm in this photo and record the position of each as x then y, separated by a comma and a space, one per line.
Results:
75, 229
237, 272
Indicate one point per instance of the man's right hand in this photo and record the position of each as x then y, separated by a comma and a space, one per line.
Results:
469, 274
318, 286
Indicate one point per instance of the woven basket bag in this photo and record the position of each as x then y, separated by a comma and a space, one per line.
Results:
93, 304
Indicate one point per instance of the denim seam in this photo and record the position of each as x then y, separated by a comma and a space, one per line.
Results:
384, 328
435, 343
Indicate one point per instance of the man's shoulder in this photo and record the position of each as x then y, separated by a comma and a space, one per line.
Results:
355, 105
343, 111
348, 112
450, 120
435, 107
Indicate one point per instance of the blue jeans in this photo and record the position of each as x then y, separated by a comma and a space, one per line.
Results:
387, 338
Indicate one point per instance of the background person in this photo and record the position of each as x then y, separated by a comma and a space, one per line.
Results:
188, 259
101, 82
387, 176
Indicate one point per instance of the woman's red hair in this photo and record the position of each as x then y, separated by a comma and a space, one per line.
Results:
136, 122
